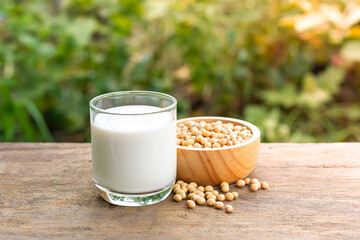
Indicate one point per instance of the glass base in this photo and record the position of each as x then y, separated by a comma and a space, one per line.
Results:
132, 199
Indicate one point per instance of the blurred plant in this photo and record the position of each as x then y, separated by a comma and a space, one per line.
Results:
291, 66
54, 59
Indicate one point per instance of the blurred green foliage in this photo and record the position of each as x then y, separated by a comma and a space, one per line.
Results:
290, 67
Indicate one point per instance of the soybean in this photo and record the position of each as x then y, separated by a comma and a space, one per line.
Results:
235, 194
254, 187
264, 185
228, 208
192, 134
225, 189
200, 201
209, 188
240, 183
220, 197
218, 205
211, 202
229, 196
177, 197
190, 204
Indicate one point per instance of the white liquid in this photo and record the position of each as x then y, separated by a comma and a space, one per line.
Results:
134, 154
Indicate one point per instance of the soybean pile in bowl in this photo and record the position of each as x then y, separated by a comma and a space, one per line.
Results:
211, 166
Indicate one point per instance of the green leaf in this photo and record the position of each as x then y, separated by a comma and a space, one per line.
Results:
25, 123
255, 113
36, 114
351, 112
301, 137
351, 51
309, 83
312, 96
330, 79
81, 30
286, 96
313, 99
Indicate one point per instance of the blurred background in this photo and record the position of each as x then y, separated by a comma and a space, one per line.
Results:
290, 67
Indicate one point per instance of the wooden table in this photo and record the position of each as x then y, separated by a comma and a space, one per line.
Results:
47, 192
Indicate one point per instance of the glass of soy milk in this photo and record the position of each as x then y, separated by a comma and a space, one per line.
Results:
133, 138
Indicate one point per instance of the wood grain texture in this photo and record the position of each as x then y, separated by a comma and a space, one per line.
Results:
47, 192
211, 166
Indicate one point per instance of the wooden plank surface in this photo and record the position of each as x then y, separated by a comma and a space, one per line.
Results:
47, 192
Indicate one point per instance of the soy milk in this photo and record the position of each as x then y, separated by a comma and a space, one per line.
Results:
134, 153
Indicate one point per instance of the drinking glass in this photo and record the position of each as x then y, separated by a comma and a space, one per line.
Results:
133, 139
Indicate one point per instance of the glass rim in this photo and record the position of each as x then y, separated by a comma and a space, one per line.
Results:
133, 92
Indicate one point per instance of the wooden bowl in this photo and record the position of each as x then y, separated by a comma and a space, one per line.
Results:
211, 166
